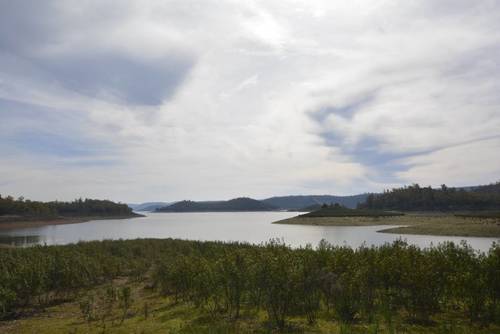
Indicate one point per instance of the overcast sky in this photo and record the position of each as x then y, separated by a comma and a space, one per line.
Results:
168, 100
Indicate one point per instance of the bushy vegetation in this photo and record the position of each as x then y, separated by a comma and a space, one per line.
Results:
337, 210
416, 198
225, 279
79, 207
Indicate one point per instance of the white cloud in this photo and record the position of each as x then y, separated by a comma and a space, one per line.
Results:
220, 99
470, 163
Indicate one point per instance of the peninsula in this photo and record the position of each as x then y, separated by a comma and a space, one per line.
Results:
23, 213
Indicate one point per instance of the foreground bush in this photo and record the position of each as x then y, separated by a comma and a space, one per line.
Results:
340, 283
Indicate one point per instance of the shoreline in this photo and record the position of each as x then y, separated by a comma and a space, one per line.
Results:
446, 231
413, 224
29, 222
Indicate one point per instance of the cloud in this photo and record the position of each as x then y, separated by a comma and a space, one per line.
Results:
118, 78
46, 134
470, 163
59, 46
140, 100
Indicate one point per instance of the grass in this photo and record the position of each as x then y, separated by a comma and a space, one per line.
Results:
480, 214
166, 316
424, 224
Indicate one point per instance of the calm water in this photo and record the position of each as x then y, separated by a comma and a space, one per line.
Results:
253, 227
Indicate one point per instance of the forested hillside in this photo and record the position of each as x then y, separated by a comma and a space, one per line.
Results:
237, 204
76, 208
148, 206
417, 198
493, 188
300, 202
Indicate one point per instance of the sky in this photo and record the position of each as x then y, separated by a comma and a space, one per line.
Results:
166, 100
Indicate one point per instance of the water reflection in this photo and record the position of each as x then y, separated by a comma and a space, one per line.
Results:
253, 227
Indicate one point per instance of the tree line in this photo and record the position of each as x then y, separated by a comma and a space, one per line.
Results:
229, 279
417, 198
337, 210
78, 207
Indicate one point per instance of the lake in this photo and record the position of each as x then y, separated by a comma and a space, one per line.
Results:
253, 227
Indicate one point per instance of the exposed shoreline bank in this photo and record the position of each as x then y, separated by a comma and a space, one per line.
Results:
419, 224
10, 223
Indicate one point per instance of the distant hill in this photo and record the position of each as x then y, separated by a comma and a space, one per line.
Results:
493, 188
148, 206
295, 203
304, 201
309, 208
337, 210
237, 204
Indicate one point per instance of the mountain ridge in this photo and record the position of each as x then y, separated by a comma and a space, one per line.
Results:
148, 206
291, 202
301, 202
